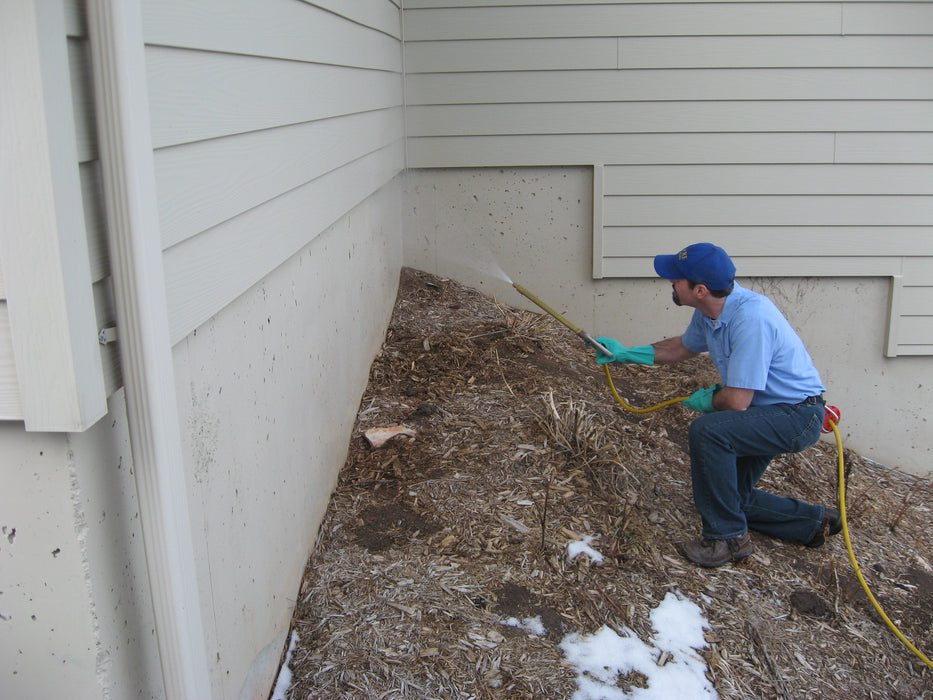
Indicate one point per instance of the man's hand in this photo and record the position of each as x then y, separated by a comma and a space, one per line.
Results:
671, 350
727, 398
702, 399
641, 355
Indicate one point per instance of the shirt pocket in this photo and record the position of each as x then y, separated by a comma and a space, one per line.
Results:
720, 349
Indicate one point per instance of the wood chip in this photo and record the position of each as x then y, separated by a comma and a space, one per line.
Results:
378, 437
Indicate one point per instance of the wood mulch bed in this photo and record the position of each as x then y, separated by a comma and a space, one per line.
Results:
432, 543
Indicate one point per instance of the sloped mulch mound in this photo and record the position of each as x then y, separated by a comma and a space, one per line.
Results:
438, 548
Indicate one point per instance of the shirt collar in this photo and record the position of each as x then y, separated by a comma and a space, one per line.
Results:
729, 308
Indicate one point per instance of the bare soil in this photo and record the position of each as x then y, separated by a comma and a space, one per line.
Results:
431, 543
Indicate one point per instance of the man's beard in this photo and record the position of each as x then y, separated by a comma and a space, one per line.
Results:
676, 298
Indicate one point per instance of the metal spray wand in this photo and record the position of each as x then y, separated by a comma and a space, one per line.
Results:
576, 329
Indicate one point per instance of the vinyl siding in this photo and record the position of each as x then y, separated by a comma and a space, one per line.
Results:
270, 121
796, 135
51, 375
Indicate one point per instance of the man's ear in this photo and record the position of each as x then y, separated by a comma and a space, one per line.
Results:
701, 291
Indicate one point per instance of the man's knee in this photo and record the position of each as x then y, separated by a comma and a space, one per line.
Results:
701, 428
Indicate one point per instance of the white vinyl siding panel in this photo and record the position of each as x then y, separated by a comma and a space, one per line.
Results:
911, 147
654, 117
799, 135
664, 52
682, 85
221, 262
913, 302
270, 121
208, 182
587, 149
617, 20
749, 210
196, 95
769, 242
509, 55
773, 179
840, 51
360, 34
775, 266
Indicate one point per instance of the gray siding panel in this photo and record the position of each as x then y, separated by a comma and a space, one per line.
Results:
682, 85
772, 266
828, 51
828, 242
919, 302
913, 322
288, 30
587, 149
510, 55
908, 147
770, 179
888, 18
768, 210
660, 19
205, 272
668, 52
205, 183
659, 117
196, 95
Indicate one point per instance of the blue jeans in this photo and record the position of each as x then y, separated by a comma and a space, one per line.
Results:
729, 452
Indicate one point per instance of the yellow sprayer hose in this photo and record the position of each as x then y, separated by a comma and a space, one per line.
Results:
842, 510
624, 405
858, 572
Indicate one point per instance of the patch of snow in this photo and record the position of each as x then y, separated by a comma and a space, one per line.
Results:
530, 624
284, 680
577, 547
601, 658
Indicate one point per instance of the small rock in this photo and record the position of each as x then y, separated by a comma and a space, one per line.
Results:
494, 636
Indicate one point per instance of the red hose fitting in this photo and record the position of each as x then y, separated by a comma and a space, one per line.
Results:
833, 414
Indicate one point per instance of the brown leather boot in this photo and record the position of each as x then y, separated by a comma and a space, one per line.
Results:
713, 553
831, 525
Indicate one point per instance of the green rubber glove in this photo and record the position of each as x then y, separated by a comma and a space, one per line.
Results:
702, 399
641, 355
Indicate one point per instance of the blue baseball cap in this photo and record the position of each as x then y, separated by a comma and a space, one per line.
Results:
703, 263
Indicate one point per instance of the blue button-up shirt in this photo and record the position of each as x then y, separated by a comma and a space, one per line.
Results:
754, 347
